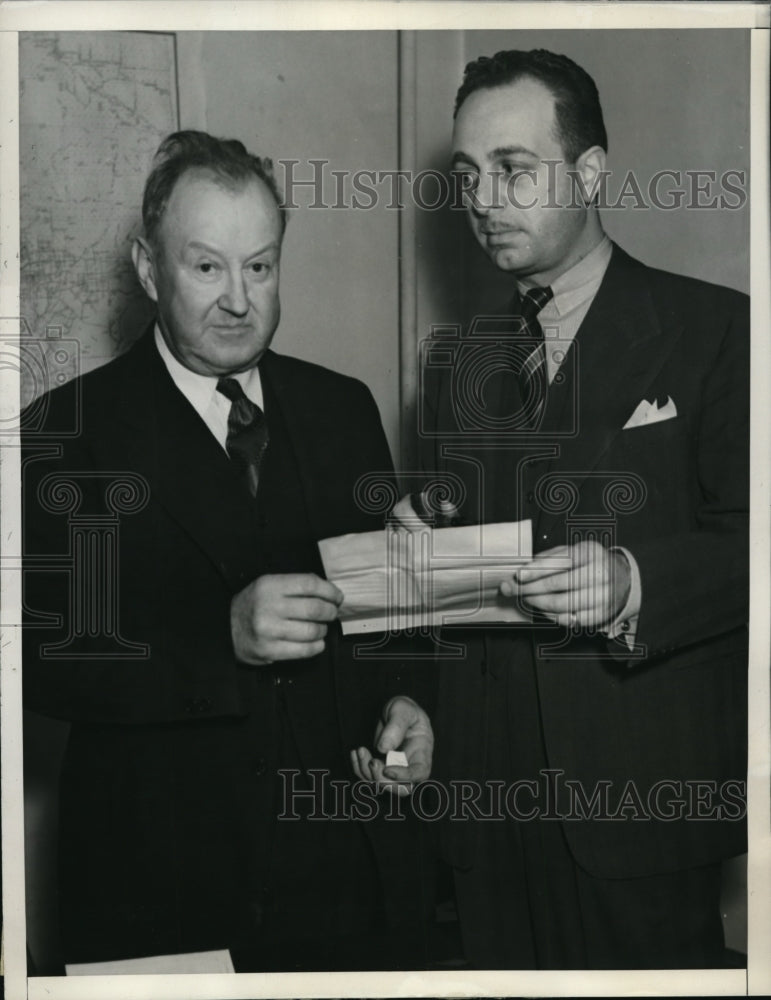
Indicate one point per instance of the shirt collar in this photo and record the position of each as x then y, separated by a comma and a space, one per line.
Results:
580, 282
200, 389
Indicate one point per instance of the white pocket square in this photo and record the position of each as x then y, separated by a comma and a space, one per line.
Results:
650, 413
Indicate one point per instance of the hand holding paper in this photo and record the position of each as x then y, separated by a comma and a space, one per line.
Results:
590, 592
282, 617
394, 579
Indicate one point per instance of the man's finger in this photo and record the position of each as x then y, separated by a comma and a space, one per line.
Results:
547, 584
353, 756
404, 515
417, 770
572, 581
544, 564
288, 630
375, 767
360, 759
400, 714
585, 552
307, 609
586, 599
384, 784
286, 650
310, 585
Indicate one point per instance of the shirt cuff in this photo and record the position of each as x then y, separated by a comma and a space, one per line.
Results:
624, 625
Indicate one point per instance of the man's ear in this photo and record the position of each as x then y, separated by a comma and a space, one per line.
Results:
590, 167
142, 256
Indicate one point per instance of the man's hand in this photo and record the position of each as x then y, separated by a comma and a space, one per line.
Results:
403, 514
282, 617
403, 726
591, 593
417, 509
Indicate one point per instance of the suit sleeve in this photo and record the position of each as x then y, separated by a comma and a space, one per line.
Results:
695, 583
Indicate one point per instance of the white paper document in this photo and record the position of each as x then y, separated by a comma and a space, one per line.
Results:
198, 961
397, 579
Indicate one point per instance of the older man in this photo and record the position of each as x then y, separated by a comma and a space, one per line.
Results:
204, 659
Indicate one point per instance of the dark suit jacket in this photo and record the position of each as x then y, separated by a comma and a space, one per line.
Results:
675, 494
169, 778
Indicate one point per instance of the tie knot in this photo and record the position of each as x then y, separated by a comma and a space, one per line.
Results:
533, 302
243, 412
231, 388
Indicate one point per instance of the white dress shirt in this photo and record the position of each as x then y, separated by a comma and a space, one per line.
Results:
201, 390
573, 293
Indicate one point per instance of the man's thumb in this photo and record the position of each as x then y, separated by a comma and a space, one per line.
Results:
399, 717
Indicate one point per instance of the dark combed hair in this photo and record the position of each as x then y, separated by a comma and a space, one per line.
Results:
577, 108
227, 159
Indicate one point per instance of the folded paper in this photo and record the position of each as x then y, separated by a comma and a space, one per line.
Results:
399, 579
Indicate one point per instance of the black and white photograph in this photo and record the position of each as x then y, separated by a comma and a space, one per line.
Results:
385, 489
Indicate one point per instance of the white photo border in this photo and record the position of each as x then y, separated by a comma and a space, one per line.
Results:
244, 15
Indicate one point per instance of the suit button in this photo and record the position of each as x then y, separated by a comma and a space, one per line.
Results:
205, 704
531, 497
625, 626
189, 706
260, 766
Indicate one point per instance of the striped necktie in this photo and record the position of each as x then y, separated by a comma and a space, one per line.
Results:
247, 432
533, 376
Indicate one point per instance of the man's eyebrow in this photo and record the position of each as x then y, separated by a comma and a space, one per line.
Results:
273, 245
500, 151
496, 154
200, 245
461, 157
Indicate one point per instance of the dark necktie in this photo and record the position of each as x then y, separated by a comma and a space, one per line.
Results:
533, 376
247, 432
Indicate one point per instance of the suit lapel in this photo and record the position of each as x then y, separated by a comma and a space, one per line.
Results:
618, 351
301, 423
187, 470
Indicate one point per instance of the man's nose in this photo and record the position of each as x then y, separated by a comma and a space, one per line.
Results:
234, 298
486, 195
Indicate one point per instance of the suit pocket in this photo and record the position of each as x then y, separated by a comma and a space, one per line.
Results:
725, 650
652, 432
660, 455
